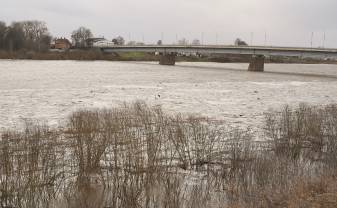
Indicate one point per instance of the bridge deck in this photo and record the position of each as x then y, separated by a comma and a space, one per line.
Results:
250, 50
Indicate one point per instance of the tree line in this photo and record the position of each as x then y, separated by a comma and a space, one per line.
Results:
34, 36
30, 35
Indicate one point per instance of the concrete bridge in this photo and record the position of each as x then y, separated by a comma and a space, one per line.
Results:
258, 53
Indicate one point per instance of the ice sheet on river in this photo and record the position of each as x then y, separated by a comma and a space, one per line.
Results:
51, 90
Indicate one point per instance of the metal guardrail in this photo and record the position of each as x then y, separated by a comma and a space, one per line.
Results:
221, 47
247, 50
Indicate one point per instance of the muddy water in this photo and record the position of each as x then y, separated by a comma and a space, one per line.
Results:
51, 90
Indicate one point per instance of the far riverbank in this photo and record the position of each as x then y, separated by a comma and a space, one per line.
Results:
93, 55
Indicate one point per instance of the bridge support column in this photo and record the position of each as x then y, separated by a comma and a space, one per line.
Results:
256, 63
167, 59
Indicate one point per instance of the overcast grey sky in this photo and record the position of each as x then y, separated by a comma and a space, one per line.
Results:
286, 22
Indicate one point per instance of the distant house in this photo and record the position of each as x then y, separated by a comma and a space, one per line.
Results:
61, 44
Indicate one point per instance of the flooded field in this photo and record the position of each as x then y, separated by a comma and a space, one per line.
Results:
51, 90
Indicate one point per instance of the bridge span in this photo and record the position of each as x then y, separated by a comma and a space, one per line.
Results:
258, 53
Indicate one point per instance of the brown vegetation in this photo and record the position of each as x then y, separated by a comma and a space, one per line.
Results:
85, 55
78, 55
139, 156
96, 54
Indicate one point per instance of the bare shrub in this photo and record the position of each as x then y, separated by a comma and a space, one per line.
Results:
306, 132
139, 156
30, 171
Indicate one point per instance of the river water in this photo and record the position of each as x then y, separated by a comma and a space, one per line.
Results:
50, 90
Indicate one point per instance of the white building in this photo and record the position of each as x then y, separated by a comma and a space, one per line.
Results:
103, 43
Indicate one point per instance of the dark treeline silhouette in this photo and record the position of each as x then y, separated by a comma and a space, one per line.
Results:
24, 35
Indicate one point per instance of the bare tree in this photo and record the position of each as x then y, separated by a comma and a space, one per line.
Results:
3, 28
183, 41
34, 30
36, 34
32, 35
80, 35
196, 42
118, 40
44, 42
239, 42
14, 37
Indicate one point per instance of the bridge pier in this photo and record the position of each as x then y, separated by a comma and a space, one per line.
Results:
256, 63
167, 59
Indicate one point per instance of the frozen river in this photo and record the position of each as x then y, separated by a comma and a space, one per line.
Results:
51, 90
